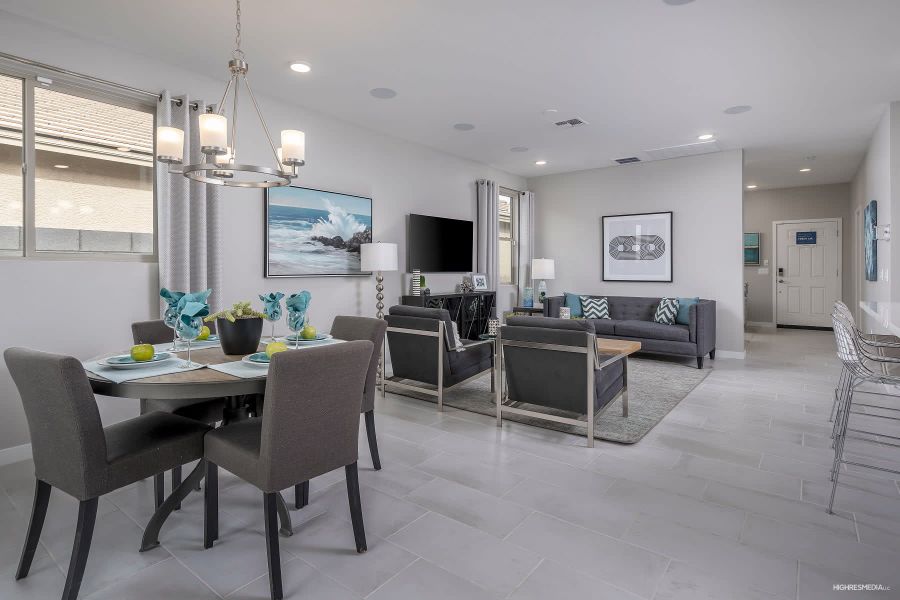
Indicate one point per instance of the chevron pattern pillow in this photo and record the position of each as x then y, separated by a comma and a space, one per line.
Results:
594, 308
666, 311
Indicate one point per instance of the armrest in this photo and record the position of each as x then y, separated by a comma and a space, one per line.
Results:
703, 325
552, 305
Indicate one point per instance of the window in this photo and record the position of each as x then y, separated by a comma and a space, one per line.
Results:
86, 188
508, 208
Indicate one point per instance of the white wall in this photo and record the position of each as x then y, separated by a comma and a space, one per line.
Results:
704, 193
85, 308
873, 182
762, 207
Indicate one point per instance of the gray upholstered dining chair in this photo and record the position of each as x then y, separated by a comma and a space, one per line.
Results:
309, 426
74, 453
205, 410
349, 329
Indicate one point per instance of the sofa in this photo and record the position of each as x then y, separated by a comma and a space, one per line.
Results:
631, 318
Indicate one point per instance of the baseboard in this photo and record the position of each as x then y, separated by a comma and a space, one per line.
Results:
15, 454
731, 354
761, 324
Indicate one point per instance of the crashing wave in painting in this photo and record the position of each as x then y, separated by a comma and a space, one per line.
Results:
311, 232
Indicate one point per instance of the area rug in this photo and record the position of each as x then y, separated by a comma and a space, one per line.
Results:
655, 387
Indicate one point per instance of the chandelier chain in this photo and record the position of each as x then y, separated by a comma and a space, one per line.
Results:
238, 53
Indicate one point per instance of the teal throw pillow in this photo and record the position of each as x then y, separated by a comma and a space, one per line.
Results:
573, 303
684, 310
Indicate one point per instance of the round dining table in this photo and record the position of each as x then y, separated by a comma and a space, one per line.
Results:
240, 396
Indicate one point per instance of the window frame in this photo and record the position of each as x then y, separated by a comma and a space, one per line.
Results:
513, 195
72, 86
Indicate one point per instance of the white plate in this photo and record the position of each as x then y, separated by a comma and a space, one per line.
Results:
246, 360
158, 358
321, 338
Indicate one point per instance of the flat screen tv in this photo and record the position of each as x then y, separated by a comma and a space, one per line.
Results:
439, 245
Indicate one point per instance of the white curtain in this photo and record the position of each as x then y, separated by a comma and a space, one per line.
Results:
188, 212
526, 241
488, 231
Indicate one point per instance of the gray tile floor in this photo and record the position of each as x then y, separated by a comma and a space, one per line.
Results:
723, 500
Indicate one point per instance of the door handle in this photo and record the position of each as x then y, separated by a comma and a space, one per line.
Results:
781, 281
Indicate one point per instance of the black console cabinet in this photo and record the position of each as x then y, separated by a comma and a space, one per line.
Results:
470, 311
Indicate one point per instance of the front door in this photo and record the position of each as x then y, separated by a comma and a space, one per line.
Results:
808, 272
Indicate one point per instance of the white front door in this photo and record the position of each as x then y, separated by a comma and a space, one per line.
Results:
807, 272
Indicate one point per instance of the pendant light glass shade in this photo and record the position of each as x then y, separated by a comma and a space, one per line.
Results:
169, 144
293, 146
213, 133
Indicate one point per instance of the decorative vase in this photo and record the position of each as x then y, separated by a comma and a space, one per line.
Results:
241, 337
528, 300
416, 282
565, 312
493, 326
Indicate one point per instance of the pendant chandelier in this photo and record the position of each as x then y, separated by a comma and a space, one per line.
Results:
221, 166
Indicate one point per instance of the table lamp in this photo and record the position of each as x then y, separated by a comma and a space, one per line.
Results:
378, 257
541, 270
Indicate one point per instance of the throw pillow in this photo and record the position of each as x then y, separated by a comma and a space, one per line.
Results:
573, 302
594, 308
684, 310
666, 311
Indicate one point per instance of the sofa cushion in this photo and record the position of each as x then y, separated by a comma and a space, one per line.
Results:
602, 326
594, 308
573, 303
684, 310
551, 323
653, 331
666, 311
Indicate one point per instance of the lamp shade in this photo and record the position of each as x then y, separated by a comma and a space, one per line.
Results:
543, 268
293, 146
170, 144
213, 131
380, 256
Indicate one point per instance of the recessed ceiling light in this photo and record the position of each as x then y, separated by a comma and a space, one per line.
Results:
752, 186
463, 127
540, 163
677, 2
382, 93
705, 136
519, 149
805, 170
123, 149
736, 110
61, 166
549, 111
300, 67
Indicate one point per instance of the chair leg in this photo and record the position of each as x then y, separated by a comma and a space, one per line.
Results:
356, 516
712, 354
301, 495
84, 532
373, 441
176, 481
270, 513
159, 489
699, 362
38, 512
211, 505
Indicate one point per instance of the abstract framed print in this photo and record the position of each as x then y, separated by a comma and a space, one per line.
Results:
637, 247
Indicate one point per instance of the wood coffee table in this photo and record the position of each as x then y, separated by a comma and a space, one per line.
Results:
619, 350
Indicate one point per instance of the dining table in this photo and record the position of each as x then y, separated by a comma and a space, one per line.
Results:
240, 393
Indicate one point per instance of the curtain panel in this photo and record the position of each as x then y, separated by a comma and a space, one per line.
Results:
187, 212
488, 238
526, 242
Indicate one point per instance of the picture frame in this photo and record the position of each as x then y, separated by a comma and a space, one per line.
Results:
314, 233
637, 247
479, 282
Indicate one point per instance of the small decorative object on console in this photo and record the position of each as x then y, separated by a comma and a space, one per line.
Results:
466, 286
416, 282
528, 298
479, 281
493, 326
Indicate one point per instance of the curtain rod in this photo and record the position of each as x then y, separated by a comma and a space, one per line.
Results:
46, 67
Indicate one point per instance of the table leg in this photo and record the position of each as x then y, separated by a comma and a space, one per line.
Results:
625, 387
151, 533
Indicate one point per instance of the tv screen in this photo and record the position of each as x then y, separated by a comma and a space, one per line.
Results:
438, 245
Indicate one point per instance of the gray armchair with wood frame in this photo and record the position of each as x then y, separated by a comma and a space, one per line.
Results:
554, 363
423, 350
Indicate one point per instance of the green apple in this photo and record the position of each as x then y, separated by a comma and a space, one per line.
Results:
142, 352
275, 347
308, 333
204, 333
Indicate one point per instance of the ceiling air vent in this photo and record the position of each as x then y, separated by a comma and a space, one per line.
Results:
629, 159
570, 123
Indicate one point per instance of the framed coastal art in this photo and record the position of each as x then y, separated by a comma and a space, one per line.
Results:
637, 247
315, 233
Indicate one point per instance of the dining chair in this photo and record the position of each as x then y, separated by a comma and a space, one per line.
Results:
349, 329
310, 426
205, 410
74, 453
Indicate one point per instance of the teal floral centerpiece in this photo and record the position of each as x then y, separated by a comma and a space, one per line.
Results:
272, 309
170, 316
297, 306
192, 308
239, 328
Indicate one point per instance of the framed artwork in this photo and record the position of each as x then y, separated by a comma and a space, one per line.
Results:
870, 223
479, 282
637, 247
315, 233
751, 248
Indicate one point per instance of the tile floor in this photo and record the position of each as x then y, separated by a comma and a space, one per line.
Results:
723, 500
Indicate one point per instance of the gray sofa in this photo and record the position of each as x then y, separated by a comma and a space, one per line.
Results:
631, 318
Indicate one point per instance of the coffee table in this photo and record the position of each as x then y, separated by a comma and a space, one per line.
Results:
618, 350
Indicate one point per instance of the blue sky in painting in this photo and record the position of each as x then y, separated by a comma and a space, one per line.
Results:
305, 198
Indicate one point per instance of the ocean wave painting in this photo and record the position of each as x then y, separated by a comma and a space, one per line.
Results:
313, 232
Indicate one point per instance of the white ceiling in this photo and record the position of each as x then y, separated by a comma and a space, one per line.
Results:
643, 73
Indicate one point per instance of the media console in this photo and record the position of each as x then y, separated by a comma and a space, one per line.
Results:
470, 311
